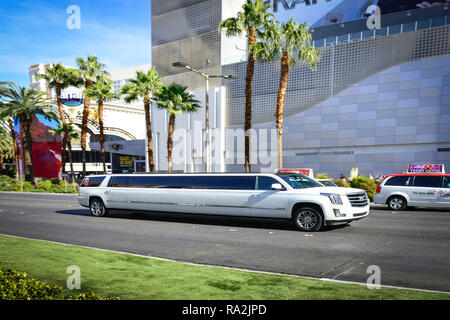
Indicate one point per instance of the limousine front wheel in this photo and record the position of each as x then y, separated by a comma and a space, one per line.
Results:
308, 219
97, 208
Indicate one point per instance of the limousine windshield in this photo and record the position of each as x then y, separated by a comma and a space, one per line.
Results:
298, 181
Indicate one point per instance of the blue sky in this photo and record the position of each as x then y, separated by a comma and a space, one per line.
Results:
118, 32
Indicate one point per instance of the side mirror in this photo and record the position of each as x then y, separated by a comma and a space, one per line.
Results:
277, 187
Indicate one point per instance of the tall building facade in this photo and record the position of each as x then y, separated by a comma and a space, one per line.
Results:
379, 99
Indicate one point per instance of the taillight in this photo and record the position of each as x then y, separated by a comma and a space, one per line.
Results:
378, 189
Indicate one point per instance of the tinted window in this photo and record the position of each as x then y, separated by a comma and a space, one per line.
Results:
299, 181
194, 182
119, 181
428, 181
92, 181
446, 182
400, 181
265, 183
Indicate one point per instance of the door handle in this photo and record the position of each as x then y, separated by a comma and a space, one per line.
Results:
107, 191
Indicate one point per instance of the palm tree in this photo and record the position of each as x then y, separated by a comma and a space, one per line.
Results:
60, 77
6, 145
91, 71
290, 42
73, 134
25, 104
144, 85
253, 20
4, 87
175, 99
102, 91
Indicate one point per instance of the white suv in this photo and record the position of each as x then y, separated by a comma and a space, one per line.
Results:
425, 190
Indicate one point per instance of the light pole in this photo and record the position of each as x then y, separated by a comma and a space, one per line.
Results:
206, 75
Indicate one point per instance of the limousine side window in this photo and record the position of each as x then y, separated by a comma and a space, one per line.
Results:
446, 182
92, 181
265, 183
428, 181
400, 181
193, 182
118, 182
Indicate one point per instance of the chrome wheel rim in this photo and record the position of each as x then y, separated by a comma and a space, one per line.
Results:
307, 219
396, 203
96, 208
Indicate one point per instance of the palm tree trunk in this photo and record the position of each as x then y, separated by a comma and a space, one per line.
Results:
66, 143
148, 123
248, 96
87, 102
16, 148
285, 61
27, 148
2, 164
170, 140
102, 134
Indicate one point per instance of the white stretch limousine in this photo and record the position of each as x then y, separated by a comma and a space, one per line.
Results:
304, 201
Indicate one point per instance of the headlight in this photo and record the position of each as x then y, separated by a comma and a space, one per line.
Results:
334, 198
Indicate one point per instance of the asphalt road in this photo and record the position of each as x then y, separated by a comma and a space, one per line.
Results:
412, 248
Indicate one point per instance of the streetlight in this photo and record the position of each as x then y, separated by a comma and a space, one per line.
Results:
206, 76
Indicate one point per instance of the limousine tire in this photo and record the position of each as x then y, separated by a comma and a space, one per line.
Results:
397, 203
308, 219
97, 207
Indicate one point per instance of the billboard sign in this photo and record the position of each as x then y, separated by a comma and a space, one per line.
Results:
426, 168
72, 96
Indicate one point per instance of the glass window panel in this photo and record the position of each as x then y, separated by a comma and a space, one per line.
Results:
369, 34
395, 29
355, 36
411, 26
400, 181
423, 24
428, 181
343, 38
438, 21
265, 183
381, 32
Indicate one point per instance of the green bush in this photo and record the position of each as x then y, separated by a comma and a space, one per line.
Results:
16, 285
51, 185
369, 185
342, 183
322, 176
44, 184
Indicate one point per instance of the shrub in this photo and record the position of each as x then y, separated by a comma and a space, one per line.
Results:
16, 285
44, 184
342, 183
369, 185
322, 176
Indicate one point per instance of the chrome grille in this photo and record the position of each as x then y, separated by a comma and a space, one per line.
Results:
358, 199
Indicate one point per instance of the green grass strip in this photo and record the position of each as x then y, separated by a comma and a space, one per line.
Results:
133, 277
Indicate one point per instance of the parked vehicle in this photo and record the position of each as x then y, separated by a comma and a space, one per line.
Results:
399, 191
304, 201
327, 182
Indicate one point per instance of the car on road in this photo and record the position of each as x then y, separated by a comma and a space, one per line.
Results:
296, 197
399, 191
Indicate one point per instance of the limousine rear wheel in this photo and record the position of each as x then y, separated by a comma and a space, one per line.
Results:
308, 219
97, 207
